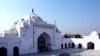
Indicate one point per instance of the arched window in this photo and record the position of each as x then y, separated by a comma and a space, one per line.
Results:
15, 51
3, 51
79, 45
90, 45
65, 45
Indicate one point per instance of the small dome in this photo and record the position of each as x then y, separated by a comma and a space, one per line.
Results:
94, 33
33, 17
11, 32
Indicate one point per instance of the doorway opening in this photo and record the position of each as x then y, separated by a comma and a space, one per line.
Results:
90, 45
43, 42
72, 45
15, 51
79, 45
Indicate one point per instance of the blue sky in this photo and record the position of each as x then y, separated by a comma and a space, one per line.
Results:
71, 16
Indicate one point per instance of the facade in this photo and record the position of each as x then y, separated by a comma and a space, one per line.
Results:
32, 34
29, 35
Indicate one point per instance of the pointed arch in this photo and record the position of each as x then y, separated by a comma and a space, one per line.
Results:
15, 51
45, 35
43, 42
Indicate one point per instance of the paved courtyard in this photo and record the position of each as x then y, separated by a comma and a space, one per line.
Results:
88, 53
73, 52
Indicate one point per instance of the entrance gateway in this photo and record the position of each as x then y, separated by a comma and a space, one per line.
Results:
43, 42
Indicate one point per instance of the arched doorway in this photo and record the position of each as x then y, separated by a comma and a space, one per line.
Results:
61, 46
72, 45
90, 45
43, 42
3, 51
79, 45
65, 45
15, 51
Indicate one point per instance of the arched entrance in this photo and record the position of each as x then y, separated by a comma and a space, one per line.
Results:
65, 45
79, 45
72, 45
3, 51
90, 45
43, 42
15, 51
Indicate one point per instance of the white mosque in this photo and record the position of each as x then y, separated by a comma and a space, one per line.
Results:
32, 34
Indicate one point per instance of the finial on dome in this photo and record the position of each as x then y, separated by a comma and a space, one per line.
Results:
32, 10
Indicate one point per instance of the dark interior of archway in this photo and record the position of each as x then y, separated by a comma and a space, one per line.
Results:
79, 45
90, 45
61, 46
73, 45
3, 51
15, 51
65, 45
41, 43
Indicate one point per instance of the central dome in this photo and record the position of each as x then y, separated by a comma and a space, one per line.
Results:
33, 17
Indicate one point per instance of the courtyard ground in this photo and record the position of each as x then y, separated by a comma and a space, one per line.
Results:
72, 51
